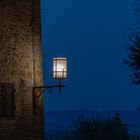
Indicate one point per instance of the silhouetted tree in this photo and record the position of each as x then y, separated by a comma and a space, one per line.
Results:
133, 48
133, 57
117, 129
91, 129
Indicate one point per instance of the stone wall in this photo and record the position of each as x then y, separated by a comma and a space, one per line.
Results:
21, 63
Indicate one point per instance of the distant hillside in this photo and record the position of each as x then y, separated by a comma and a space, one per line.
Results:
61, 120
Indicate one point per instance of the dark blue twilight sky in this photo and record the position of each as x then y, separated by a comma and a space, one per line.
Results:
91, 34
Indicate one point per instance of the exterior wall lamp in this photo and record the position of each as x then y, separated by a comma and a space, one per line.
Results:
59, 70
59, 73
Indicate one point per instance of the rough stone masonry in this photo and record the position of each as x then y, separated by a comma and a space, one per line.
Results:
21, 64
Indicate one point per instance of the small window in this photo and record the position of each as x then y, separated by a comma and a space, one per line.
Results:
7, 100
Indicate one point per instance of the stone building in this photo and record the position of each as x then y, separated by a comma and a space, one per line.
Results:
20, 70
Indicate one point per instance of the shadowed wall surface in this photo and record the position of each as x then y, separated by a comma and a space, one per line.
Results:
20, 64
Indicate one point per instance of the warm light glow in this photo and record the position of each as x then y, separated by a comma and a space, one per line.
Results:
59, 68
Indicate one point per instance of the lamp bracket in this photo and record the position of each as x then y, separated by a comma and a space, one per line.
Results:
45, 88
